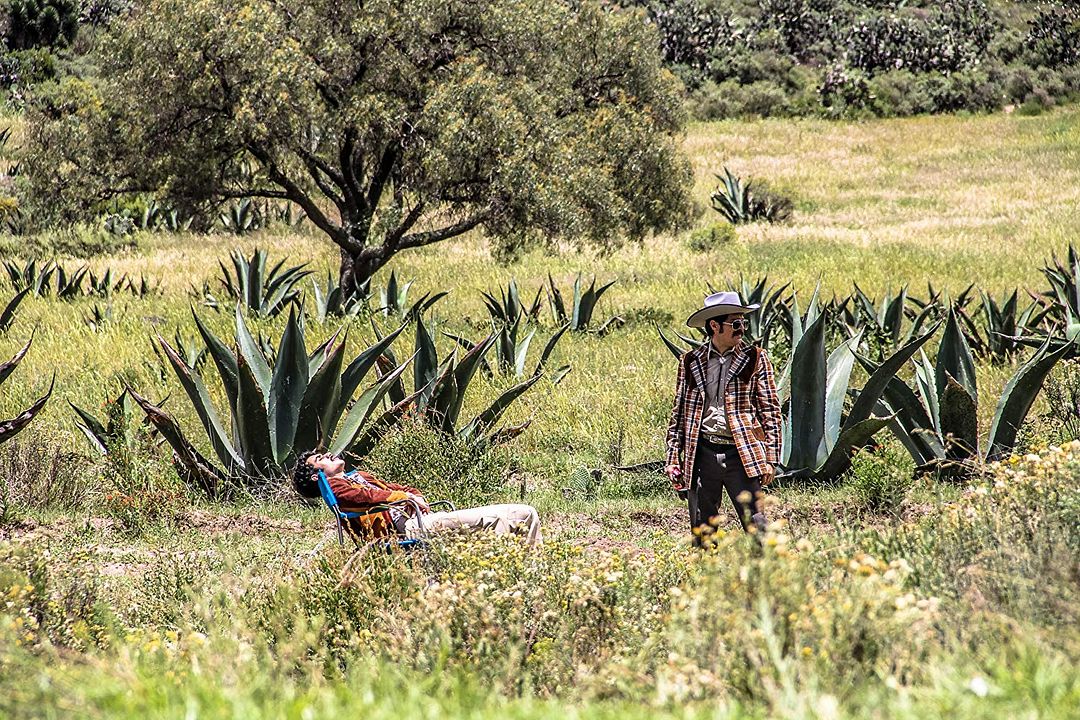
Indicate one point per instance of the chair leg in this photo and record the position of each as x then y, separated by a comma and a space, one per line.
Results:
340, 534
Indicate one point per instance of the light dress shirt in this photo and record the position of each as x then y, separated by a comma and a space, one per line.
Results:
717, 373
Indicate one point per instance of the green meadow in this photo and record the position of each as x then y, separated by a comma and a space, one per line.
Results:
882, 595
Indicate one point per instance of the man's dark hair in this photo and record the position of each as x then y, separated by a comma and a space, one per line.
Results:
302, 474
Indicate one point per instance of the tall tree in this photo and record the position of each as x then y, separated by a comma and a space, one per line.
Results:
393, 124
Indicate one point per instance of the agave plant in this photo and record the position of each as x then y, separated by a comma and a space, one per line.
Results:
123, 425
277, 408
508, 307
243, 216
439, 389
99, 317
1064, 278
12, 427
7, 315
29, 276
105, 284
331, 302
69, 287
937, 421
886, 321
263, 293
582, 306
394, 300
997, 338
818, 437
143, 287
511, 351
737, 202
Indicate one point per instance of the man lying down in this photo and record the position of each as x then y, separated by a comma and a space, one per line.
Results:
359, 491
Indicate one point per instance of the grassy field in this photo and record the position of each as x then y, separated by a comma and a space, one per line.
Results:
179, 607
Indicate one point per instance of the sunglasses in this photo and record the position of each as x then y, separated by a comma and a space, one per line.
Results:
740, 324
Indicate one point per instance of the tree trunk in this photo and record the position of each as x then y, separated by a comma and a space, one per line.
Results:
357, 270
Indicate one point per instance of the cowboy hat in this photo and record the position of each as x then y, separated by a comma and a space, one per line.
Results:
717, 304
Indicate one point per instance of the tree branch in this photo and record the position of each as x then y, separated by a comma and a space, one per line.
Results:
426, 238
301, 198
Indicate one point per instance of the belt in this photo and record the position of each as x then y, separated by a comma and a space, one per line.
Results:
717, 440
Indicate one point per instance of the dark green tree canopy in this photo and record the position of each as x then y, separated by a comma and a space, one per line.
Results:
393, 123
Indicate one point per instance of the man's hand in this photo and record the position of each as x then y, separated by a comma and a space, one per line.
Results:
674, 473
420, 502
768, 476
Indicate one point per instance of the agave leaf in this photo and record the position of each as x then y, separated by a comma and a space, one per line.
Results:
92, 428
553, 341
200, 400
8, 315
467, 345
1017, 398
464, 369
838, 374
558, 306
807, 407
252, 353
358, 369
954, 359
362, 409
8, 367
924, 381
426, 364
321, 408
483, 422
880, 376
378, 427
224, 360
522, 352
287, 389
253, 425
918, 438
210, 479
850, 440
11, 428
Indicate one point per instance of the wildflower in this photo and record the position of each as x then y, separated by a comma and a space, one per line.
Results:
978, 686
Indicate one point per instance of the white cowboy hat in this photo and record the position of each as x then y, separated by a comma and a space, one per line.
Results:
717, 304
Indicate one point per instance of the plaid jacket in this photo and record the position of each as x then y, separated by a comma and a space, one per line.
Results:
361, 497
750, 401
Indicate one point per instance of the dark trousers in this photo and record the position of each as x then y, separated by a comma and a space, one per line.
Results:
718, 470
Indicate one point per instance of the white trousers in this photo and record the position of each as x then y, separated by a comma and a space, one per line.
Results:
500, 519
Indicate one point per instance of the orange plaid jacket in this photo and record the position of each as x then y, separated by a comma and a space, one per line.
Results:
750, 401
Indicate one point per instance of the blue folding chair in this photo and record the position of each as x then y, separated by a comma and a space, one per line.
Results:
341, 516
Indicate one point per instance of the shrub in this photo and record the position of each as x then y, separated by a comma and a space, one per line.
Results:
880, 480
38, 475
1053, 36
442, 466
710, 238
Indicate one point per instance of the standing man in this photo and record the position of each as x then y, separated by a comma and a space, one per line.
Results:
724, 434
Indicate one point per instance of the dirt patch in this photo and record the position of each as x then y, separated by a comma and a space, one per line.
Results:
213, 523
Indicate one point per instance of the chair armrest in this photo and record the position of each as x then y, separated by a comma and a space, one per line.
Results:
442, 503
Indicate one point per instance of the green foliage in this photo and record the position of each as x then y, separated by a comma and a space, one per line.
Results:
41, 23
7, 315
738, 204
879, 480
819, 438
576, 138
442, 466
438, 390
262, 293
278, 409
938, 421
582, 306
713, 237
